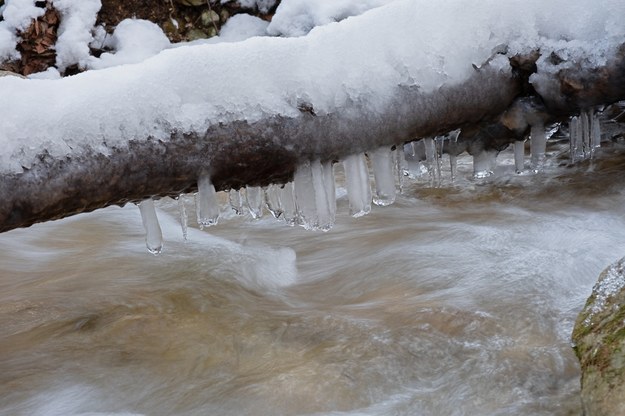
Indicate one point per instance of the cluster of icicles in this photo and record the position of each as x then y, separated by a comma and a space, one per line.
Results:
310, 199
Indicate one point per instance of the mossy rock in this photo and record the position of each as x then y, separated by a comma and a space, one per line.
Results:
599, 343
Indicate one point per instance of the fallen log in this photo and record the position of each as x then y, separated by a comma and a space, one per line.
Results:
506, 95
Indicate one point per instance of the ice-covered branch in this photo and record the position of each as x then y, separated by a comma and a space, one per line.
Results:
250, 113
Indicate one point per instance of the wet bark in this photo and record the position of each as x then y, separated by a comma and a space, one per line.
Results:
268, 151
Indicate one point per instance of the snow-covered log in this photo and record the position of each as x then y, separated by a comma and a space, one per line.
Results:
249, 113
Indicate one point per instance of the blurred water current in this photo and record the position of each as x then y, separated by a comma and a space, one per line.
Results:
456, 300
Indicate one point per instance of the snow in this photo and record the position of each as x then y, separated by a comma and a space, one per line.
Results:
133, 40
74, 36
147, 88
262, 5
242, 26
298, 17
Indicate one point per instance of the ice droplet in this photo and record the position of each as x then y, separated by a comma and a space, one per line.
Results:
184, 218
272, 200
382, 163
254, 197
207, 205
153, 234
358, 185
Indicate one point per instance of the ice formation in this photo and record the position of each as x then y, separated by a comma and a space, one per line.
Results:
538, 145
254, 199
358, 185
287, 199
519, 156
153, 234
236, 201
207, 205
584, 135
184, 217
383, 173
484, 163
272, 200
314, 195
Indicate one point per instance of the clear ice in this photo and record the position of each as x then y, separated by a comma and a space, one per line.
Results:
272, 200
519, 156
153, 234
254, 197
184, 218
433, 160
236, 202
584, 135
400, 166
382, 163
538, 145
484, 163
315, 196
287, 199
412, 157
358, 185
207, 204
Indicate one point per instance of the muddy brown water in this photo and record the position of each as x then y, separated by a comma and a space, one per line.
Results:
457, 300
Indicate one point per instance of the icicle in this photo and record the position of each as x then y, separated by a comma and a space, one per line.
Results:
330, 192
358, 185
287, 198
272, 201
484, 163
184, 218
305, 196
382, 163
207, 205
453, 165
585, 127
254, 197
325, 217
400, 166
431, 157
576, 139
153, 234
519, 156
236, 202
412, 158
595, 132
538, 145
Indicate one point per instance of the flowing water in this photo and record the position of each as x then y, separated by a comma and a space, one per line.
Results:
457, 300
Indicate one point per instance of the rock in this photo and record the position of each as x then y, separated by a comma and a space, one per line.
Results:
195, 34
599, 343
209, 18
